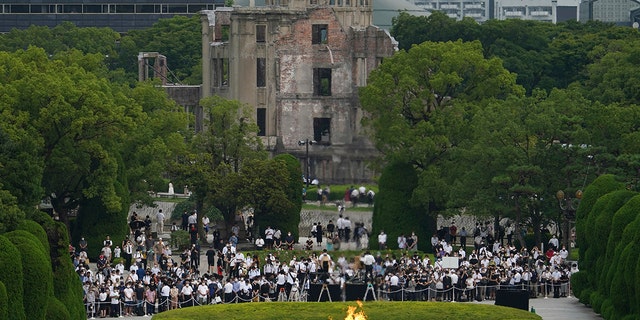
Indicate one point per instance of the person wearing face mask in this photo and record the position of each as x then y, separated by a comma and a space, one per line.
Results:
129, 301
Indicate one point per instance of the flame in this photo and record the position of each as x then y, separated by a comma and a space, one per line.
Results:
352, 315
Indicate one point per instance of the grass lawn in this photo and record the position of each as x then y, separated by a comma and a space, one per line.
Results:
338, 310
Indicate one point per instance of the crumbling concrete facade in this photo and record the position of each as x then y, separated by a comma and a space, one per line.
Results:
299, 64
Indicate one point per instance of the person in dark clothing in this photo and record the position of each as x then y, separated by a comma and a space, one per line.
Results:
319, 234
211, 259
185, 221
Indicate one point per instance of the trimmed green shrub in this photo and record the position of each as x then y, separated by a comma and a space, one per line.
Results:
393, 211
187, 205
66, 284
37, 276
530, 239
596, 301
92, 213
623, 290
180, 239
56, 310
12, 277
4, 302
615, 245
585, 296
607, 309
636, 300
579, 282
291, 220
599, 187
35, 229
599, 226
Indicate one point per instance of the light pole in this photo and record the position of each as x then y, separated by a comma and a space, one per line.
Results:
568, 206
306, 143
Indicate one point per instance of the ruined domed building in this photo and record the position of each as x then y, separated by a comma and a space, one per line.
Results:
299, 65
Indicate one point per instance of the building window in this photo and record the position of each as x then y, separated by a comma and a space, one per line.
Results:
322, 81
177, 8
319, 34
19, 8
125, 8
322, 130
261, 72
147, 8
261, 33
220, 74
261, 120
225, 30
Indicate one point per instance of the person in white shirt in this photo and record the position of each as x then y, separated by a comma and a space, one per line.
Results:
564, 253
382, 240
268, 237
165, 292
229, 295
205, 224
368, 260
394, 287
554, 242
128, 300
115, 303
187, 294
160, 222
259, 243
340, 226
402, 241
203, 292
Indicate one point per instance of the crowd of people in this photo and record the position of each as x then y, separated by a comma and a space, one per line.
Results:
142, 276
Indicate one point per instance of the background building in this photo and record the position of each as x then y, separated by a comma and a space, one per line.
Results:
120, 15
483, 10
299, 64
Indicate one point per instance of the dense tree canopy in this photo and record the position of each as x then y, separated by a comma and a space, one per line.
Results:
483, 146
227, 168
543, 55
419, 115
120, 52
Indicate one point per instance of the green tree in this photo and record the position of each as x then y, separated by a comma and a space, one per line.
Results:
10, 214
394, 213
80, 119
158, 139
420, 104
612, 77
216, 156
63, 37
183, 52
525, 150
266, 188
20, 163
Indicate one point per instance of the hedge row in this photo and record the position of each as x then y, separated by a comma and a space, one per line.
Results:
38, 279
11, 276
393, 212
37, 274
66, 284
608, 229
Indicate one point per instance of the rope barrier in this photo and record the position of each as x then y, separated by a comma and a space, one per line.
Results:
478, 292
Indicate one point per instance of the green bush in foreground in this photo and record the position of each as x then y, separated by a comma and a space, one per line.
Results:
4, 310
37, 278
338, 310
11, 276
56, 310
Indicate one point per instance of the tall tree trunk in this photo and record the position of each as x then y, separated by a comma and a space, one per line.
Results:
518, 220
